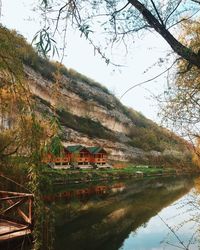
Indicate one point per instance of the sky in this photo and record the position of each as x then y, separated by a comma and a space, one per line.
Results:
142, 55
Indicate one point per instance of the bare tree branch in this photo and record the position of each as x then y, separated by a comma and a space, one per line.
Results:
149, 80
196, 1
179, 48
159, 17
167, 18
117, 11
183, 19
58, 17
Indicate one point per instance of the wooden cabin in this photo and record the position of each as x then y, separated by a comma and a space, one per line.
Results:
79, 154
98, 155
62, 159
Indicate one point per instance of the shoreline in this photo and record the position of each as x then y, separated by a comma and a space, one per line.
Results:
84, 177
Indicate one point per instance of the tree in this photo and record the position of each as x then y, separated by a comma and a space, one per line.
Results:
182, 107
24, 133
121, 20
21, 127
118, 20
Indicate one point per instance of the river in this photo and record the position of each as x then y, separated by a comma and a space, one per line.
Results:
144, 214
153, 213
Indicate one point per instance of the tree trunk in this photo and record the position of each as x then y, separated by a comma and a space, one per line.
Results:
180, 49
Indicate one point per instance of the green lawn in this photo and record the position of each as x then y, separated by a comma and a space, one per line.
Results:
103, 174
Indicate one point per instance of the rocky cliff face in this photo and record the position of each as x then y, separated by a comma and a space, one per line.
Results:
90, 115
81, 100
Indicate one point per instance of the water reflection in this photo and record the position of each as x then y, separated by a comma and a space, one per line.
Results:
124, 216
173, 228
84, 193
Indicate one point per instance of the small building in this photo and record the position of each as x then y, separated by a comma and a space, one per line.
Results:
98, 155
78, 154
62, 159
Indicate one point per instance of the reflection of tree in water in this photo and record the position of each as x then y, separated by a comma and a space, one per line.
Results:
105, 224
189, 209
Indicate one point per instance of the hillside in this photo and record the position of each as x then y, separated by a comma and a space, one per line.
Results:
90, 115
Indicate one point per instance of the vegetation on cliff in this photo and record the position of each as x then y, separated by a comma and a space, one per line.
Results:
142, 132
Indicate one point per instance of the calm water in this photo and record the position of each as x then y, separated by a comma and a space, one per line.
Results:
135, 215
147, 214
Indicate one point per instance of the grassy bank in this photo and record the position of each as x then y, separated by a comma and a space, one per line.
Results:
60, 176
50, 177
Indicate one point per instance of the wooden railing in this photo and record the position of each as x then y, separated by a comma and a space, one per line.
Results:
83, 159
100, 160
17, 207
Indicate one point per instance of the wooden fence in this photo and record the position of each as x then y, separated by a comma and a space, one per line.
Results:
16, 214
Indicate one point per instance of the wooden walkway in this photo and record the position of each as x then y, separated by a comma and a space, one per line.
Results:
16, 215
11, 230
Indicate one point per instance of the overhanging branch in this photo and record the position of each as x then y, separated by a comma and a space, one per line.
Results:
183, 51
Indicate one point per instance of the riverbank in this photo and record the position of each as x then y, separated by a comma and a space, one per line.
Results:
62, 176
49, 177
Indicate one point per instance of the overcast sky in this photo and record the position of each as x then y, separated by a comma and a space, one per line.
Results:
143, 54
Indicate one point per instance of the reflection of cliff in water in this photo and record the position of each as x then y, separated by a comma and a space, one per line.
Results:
104, 222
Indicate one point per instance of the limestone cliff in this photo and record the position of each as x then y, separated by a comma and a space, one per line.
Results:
90, 115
